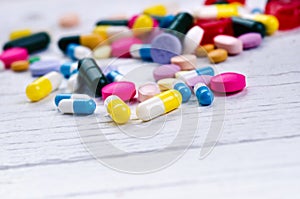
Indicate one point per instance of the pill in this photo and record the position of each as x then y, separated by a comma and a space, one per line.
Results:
117, 109
102, 52
69, 20
217, 56
250, 40
34, 59
72, 84
90, 40
185, 62
33, 43
166, 84
123, 89
256, 11
204, 95
181, 24
121, 47
242, 26
2, 65
68, 68
76, 51
202, 51
192, 39
43, 86
183, 89
217, 11
115, 76
141, 51
228, 82
43, 67
232, 45
19, 34
147, 90
166, 21
191, 82
62, 96
92, 75
77, 106
165, 71
156, 10
185, 75
141, 24
159, 105
271, 22
19, 66
112, 22
13, 54
113, 32
164, 47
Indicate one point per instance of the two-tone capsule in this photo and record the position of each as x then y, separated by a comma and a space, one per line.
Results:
184, 90
141, 51
217, 11
271, 22
77, 106
76, 51
43, 86
185, 75
118, 110
204, 95
115, 76
62, 96
113, 32
68, 69
159, 105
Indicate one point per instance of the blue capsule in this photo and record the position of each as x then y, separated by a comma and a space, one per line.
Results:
183, 89
62, 96
141, 51
77, 106
68, 69
204, 95
114, 76
76, 51
166, 21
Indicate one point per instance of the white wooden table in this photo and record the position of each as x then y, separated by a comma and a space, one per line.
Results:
43, 153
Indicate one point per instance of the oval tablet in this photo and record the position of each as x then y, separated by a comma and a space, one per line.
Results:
250, 40
231, 44
122, 89
165, 71
228, 82
19, 66
217, 56
121, 47
147, 91
69, 20
166, 84
42, 67
13, 54
202, 51
185, 62
192, 39
102, 52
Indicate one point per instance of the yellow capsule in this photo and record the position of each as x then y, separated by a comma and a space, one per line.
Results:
217, 11
271, 22
157, 10
101, 30
19, 34
43, 86
227, 10
118, 110
91, 40
19, 66
142, 24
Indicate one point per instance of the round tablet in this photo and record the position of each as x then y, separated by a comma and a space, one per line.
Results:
165, 71
228, 82
124, 90
13, 54
250, 40
43, 67
147, 91
192, 39
185, 62
164, 47
121, 47
233, 45
191, 82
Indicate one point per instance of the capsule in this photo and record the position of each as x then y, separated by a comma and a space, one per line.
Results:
118, 22
185, 75
184, 90
62, 96
68, 68
159, 105
156, 10
242, 26
91, 41
72, 83
112, 32
92, 75
43, 86
141, 51
141, 24
76, 51
166, 21
115, 76
77, 106
33, 43
217, 11
204, 95
118, 110
182, 23
19, 34
271, 23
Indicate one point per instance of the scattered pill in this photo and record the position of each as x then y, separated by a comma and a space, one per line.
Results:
102, 52
191, 82
141, 24
231, 44
228, 82
217, 11
19, 66
115, 76
112, 22
183, 89
250, 40
69, 20
202, 51
166, 21
76, 51
156, 10
165, 71
217, 56
62, 96
159, 105
242, 26
147, 90
192, 39
113, 32
77, 106
68, 68
121, 47
166, 84
185, 62
117, 109
43, 86
141, 51
185, 75
19, 34
271, 22
204, 95
181, 24
43, 67
13, 54
123, 89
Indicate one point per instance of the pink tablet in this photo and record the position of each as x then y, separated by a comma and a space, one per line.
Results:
124, 90
165, 71
13, 54
228, 82
147, 91
121, 47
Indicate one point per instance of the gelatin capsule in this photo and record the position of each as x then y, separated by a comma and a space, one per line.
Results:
203, 93
77, 106
184, 90
185, 75
19, 34
76, 51
118, 110
62, 96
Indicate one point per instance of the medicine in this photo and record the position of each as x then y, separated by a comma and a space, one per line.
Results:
217, 56
185, 62
117, 109
33, 43
76, 51
34, 59
217, 11
228, 82
19, 66
115, 76
141, 51
77, 106
19, 34
166, 84
157, 10
123, 89
183, 89
68, 68
147, 90
202, 51
185, 75
231, 44
250, 40
63, 96
13, 54
204, 95
166, 21
141, 24
43, 67
271, 23
43, 86
102, 52
91, 41
195, 80
192, 39
243, 26
121, 47
159, 105
108, 22
113, 32
165, 71
181, 24
69, 20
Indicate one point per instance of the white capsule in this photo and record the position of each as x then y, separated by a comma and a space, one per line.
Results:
113, 32
73, 83
76, 52
192, 40
217, 11
77, 106
62, 96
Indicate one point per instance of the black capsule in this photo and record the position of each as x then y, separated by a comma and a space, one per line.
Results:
182, 23
65, 41
113, 22
33, 43
91, 75
243, 26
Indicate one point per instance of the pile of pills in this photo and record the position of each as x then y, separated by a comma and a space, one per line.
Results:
216, 30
